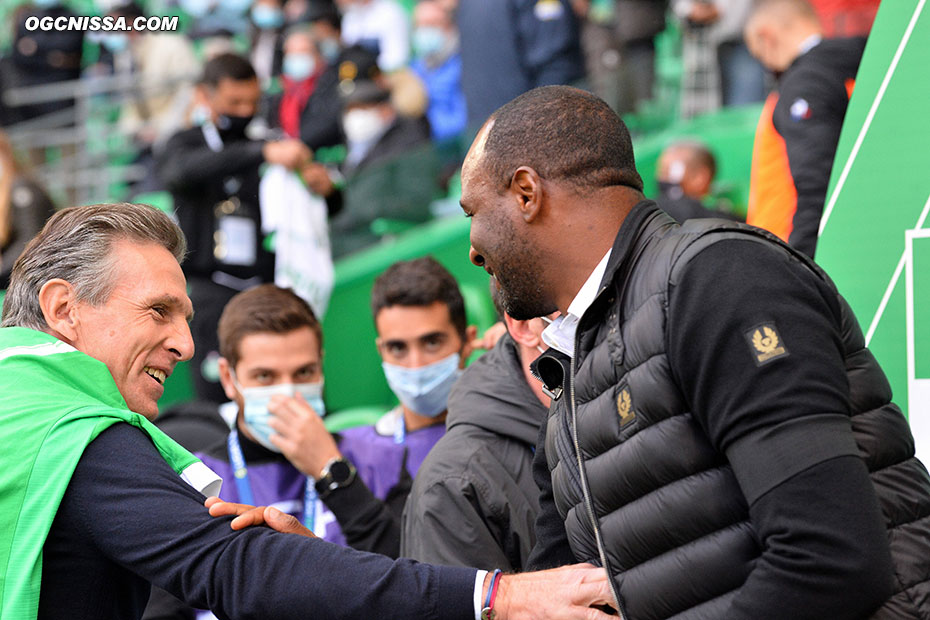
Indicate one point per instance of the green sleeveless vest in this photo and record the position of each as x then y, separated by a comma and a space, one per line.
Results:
54, 400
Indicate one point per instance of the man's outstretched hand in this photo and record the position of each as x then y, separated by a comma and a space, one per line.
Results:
567, 592
247, 516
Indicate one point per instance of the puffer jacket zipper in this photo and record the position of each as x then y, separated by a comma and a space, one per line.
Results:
589, 503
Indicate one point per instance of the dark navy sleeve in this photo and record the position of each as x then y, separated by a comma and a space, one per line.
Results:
754, 345
142, 516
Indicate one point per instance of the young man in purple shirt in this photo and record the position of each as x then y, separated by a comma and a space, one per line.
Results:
349, 489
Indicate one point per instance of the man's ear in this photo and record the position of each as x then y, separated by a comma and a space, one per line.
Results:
527, 185
768, 43
203, 96
471, 332
58, 302
521, 333
226, 379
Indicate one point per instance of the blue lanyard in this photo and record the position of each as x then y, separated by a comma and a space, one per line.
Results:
310, 504
241, 473
400, 427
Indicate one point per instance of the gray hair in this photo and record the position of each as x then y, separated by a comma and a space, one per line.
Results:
74, 245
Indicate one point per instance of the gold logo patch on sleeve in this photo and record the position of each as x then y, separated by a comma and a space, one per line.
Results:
765, 343
625, 407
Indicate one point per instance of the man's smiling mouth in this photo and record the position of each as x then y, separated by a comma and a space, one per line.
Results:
158, 375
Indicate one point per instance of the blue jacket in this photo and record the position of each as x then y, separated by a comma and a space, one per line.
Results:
446, 112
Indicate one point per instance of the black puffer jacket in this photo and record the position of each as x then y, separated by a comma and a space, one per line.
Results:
474, 501
654, 497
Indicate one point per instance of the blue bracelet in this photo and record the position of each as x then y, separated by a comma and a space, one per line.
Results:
487, 600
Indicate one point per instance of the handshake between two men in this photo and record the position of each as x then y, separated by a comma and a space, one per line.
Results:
579, 591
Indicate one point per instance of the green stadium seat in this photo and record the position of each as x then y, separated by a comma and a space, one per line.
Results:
479, 309
353, 417
384, 226
160, 200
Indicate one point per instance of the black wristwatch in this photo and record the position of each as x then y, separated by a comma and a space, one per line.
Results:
337, 473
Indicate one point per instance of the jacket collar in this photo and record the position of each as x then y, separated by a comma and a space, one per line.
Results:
493, 394
626, 239
552, 367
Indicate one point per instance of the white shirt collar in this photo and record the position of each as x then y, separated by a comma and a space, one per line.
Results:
588, 290
560, 334
810, 43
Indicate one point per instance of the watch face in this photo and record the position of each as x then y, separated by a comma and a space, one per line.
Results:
340, 471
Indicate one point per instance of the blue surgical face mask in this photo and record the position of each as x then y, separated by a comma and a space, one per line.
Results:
116, 42
255, 406
234, 7
195, 8
313, 394
267, 17
424, 390
298, 67
330, 49
428, 41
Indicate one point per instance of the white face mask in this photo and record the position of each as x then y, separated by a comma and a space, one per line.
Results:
362, 125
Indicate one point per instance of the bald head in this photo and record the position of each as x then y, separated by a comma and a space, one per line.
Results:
474, 158
564, 134
783, 10
776, 29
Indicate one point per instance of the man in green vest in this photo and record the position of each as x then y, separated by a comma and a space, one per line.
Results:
97, 503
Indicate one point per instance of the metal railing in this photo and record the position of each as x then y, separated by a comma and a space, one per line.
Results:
81, 153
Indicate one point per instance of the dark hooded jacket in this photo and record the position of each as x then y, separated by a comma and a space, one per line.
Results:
474, 501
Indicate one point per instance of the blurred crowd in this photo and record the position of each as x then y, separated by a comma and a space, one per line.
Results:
274, 128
